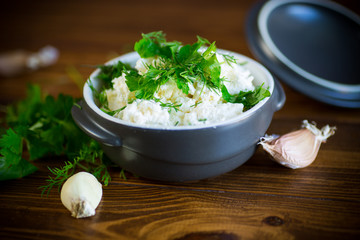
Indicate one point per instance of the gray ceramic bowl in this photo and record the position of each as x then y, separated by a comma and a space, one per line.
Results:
181, 153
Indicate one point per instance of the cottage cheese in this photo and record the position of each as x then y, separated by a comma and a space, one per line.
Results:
201, 106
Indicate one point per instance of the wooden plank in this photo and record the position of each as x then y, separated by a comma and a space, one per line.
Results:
152, 212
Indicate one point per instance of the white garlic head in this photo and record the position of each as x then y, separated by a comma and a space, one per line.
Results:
297, 149
81, 194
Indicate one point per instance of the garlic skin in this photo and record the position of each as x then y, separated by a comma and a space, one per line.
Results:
81, 194
297, 149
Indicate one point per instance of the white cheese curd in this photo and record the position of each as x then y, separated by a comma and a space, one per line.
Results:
237, 77
201, 105
145, 112
208, 112
119, 95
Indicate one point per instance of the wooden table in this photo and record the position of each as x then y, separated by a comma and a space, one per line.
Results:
259, 200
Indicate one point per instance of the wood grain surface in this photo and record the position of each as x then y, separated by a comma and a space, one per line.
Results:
259, 200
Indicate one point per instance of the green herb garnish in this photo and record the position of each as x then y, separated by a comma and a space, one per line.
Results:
229, 59
196, 104
112, 113
174, 106
249, 98
183, 64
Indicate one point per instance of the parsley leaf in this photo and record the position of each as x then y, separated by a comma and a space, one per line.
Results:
249, 98
21, 169
155, 44
11, 148
189, 53
211, 68
28, 107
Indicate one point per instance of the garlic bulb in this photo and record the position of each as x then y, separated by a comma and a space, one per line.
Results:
297, 149
81, 194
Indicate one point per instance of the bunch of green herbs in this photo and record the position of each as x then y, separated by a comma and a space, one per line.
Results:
39, 127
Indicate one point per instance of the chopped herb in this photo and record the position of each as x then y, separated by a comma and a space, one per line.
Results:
229, 59
169, 105
77, 105
112, 113
100, 96
196, 104
122, 174
249, 98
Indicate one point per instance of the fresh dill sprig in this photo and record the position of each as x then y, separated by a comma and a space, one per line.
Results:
90, 158
174, 106
229, 59
61, 175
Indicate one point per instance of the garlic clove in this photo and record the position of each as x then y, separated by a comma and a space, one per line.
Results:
297, 149
46, 56
81, 194
19, 61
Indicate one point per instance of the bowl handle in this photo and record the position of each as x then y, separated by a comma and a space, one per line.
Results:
280, 96
91, 128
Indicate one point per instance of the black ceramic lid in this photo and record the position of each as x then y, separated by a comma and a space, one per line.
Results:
311, 45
